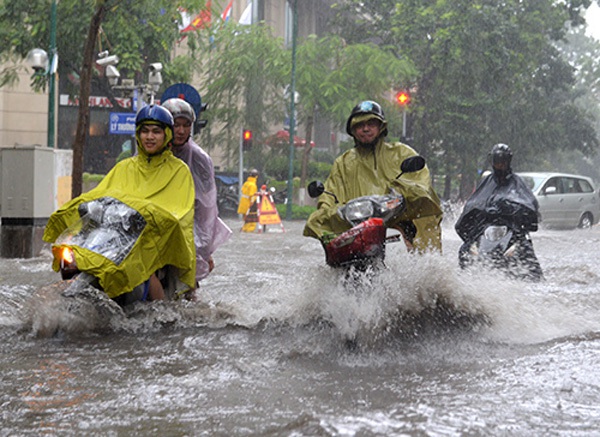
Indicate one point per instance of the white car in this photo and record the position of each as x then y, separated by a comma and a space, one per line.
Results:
566, 200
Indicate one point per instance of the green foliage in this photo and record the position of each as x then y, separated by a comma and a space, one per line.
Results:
319, 170
244, 80
298, 212
89, 177
139, 33
487, 73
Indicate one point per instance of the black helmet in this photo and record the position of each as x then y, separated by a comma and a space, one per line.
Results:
501, 153
365, 108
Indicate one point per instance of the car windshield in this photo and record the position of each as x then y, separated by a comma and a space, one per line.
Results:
533, 182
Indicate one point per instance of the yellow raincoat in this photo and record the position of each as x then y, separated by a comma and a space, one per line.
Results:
161, 189
362, 172
249, 189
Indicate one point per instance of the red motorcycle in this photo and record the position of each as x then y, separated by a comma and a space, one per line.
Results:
363, 245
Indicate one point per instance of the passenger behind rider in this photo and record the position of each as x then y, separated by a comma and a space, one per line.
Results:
249, 190
371, 168
155, 175
209, 230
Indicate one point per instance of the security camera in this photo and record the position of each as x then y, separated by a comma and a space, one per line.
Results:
112, 74
108, 60
156, 67
38, 60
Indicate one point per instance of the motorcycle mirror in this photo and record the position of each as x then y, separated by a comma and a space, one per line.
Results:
315, 189
411, 165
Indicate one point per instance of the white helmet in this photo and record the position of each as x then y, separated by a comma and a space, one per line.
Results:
180, 108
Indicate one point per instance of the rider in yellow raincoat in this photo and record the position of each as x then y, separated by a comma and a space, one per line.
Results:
371, 168
249, 190
160, 187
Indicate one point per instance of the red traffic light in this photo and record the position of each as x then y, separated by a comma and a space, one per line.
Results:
246, 140
403, 97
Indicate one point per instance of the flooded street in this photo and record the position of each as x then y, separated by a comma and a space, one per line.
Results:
266, 350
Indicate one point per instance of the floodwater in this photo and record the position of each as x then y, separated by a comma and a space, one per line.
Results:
279, 345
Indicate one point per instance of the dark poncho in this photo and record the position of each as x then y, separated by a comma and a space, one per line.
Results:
511, 202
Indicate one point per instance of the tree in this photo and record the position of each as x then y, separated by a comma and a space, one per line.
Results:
140, 32
488, 73
333, 76
243, 71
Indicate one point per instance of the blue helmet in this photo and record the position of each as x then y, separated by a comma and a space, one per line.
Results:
156, 114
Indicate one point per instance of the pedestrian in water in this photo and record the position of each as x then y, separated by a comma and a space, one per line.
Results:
249, 190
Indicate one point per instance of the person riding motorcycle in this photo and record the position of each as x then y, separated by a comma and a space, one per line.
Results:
501, 195
371, 168
160, 187
209, 230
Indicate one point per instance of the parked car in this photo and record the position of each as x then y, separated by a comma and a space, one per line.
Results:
566, 200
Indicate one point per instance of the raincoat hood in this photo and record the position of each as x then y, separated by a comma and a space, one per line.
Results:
383, 130
165, 145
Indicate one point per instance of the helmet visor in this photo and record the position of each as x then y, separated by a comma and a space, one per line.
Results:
501, 159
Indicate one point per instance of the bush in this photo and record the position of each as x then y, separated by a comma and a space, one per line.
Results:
318, 170
298, 212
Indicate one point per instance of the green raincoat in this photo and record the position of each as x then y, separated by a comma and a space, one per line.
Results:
161, 189
362, 172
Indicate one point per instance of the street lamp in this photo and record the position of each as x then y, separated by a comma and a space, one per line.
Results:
290, 184
47, 64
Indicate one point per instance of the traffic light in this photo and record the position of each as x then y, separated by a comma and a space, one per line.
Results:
201, 124
247, 140
403, 97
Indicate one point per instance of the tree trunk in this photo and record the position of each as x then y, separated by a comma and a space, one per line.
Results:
83, 117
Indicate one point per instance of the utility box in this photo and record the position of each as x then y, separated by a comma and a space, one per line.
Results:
29, 194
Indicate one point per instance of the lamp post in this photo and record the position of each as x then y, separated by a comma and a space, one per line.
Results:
290, 185
47, 64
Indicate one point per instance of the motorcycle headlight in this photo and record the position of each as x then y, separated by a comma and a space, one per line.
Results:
495, 233
357, 211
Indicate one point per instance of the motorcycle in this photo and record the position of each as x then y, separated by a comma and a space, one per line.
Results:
227, 200
102, 249
495, 226
506, 247
363, 245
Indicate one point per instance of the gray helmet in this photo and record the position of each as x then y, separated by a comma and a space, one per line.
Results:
180, 108
253, 172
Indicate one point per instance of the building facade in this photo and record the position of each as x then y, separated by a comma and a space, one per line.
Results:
24, 113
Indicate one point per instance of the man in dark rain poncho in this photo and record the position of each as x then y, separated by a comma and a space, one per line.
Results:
371, 168
502, 195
